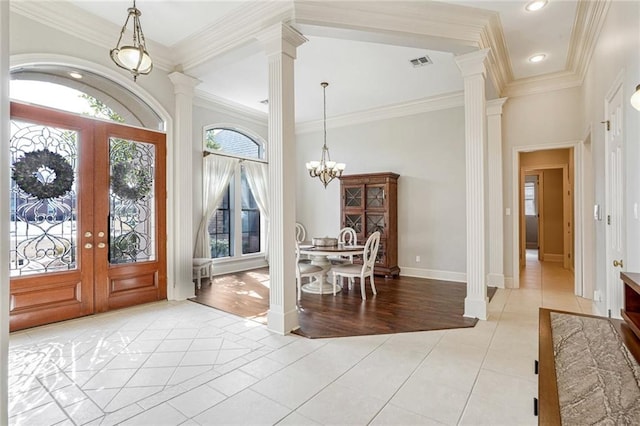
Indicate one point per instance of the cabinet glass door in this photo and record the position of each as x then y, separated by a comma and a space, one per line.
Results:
375, 197
353, 197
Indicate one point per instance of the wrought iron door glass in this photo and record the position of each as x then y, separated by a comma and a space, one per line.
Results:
131, 202
42, 228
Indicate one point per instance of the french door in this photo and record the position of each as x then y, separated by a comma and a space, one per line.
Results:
87, 231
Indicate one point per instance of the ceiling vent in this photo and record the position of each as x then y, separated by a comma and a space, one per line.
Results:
421, 61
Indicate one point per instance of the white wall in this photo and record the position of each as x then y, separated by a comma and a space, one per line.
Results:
617, 51
427, 151
534, 120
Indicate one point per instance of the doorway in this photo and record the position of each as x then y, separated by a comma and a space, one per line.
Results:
562, 162
88, 230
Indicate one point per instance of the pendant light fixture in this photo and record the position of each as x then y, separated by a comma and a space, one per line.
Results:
325, 169
135, 57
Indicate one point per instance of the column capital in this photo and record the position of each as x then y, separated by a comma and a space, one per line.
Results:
183, 83
472, 63
281, 38
494, 106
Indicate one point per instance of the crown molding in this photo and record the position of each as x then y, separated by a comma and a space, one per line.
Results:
544, 83
241, 26
206, 100
590, 17
499, 63
66, 17
435, 103
448, 26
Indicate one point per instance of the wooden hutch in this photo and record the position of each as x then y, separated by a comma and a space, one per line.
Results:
369, 203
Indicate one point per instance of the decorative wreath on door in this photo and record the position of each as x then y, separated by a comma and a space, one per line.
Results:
28, 174
130, 183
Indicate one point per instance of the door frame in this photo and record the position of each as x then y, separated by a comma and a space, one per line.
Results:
616, 87
578, 196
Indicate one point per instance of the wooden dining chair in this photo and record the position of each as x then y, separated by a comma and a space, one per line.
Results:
305, 270
360, 271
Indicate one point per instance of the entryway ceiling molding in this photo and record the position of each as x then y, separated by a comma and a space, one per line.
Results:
433, 25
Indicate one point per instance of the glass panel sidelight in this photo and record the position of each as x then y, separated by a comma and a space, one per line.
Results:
131, 202
43, 199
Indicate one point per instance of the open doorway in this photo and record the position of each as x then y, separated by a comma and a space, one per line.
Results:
546, 207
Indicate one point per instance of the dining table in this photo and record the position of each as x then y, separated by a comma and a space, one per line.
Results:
319, 256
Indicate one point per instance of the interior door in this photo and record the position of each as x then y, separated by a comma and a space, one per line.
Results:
615, 236
76, 246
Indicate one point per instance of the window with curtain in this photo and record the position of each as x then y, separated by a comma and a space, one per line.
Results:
235, 229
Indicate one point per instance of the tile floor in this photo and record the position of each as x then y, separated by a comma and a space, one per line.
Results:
181, 363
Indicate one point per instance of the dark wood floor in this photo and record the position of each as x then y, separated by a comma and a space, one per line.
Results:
402, 304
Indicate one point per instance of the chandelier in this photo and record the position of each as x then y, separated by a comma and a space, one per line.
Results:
133, 58
325, 169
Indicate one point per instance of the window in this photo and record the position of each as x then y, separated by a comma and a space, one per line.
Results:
235, 229
530, 199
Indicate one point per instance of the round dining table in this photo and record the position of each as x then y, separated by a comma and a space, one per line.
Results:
320, 257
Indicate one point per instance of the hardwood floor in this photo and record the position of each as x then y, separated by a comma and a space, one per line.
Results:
402, 304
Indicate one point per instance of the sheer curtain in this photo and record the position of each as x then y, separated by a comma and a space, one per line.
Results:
217, 174
258, 179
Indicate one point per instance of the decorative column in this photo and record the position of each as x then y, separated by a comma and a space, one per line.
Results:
4, 212
280, 43
182, 179
496, 214
473, 70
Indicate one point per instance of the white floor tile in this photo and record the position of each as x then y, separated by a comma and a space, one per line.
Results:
183, 363
158, 416
197, 400
392, 416
244, 408
337, 404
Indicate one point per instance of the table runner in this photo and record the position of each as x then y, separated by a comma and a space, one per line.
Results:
598, 378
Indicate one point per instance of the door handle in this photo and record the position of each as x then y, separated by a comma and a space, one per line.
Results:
616, 263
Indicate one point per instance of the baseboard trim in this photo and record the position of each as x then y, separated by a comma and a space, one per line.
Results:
495, 280
548, 257
229, 267
508, 282
433, 274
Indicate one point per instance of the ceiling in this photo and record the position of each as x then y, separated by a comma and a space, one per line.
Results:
362, 75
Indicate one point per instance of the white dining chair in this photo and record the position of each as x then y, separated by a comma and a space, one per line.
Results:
305, 270
301, 233
352, 271
346, 236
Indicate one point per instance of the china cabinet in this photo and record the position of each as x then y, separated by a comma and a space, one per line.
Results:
369, 203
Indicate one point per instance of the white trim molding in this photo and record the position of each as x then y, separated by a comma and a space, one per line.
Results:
434, 103
433, 274
234, 109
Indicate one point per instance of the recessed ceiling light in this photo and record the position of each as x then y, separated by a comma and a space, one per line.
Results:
537, 58
75, 74
535, 5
